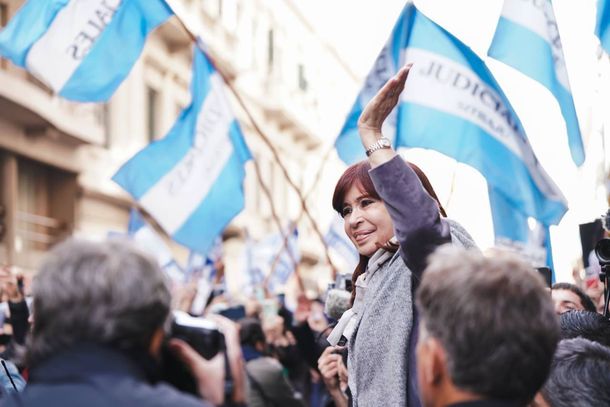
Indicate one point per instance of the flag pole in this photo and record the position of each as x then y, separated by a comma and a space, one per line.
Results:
266, 141
311, 189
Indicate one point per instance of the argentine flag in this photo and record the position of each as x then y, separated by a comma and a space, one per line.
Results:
602, 28
82, 49
513, 231
528, 40
191, 180
454, 105
338, 241
282, 265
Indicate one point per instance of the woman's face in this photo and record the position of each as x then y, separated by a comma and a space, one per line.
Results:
366, 221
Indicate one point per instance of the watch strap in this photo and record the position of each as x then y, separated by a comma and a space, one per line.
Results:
378, 145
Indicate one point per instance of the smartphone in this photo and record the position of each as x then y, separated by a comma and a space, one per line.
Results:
547, 275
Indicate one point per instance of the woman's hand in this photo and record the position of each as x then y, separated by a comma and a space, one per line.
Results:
380, 107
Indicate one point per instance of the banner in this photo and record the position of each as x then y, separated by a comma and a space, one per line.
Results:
82, 49
527, 39
191, 181
454, 105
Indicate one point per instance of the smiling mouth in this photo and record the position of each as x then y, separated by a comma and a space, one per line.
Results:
361, 237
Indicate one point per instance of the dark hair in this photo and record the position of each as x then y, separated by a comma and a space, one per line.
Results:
585, 300
585, 324
579, 375
251, 332
494, 318
358, 174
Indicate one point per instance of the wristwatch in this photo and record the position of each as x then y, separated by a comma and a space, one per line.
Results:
383, 142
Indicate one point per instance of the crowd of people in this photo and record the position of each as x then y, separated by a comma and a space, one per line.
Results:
429, 320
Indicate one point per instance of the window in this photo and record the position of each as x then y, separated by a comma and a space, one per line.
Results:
152, 104
46, 205
103, 118
3, 14
302, 79
3, 22
270, 49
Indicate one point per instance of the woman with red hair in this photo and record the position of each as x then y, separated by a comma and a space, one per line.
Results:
394, 219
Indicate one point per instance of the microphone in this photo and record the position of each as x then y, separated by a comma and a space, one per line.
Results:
337, 302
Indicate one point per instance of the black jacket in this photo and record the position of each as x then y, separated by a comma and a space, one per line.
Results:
96, 376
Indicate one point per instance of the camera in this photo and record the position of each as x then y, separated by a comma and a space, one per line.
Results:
602, 251
202, 335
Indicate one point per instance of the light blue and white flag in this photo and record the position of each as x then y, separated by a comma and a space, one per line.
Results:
513, 231
204, 264
253, 270
269, 258
191, 181
337, 241
528, 40
148, 240
283, 263
455, 106
602, 27
82, 49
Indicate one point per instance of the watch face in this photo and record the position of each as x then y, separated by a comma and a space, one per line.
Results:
384, 142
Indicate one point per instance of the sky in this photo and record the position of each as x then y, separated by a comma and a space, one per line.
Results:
359, 28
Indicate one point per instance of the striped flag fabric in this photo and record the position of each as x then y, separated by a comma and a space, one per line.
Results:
513, 231
337, 240
191, 181
602, 26
453, 104
528, 40
81, 49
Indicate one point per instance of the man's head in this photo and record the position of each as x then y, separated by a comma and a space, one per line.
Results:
487, 329
569, 297
105, 293
589, 325
579, 375
251, 334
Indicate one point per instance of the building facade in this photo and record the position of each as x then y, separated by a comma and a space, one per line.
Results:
57, 157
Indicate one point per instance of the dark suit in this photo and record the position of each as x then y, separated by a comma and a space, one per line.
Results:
96, 376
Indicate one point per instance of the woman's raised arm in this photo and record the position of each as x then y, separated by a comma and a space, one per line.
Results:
415, 214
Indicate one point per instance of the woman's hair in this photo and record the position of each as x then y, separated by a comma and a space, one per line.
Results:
358, 174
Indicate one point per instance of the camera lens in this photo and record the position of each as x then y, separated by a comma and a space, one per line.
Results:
602, 251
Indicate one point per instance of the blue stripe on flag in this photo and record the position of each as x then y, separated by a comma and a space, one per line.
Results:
505, 170
602, 26
116, 50
528, 52
26, 27
159, 157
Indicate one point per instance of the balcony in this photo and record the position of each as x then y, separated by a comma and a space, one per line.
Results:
30, 105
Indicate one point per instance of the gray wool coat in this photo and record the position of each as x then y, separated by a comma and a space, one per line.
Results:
381, 359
